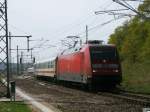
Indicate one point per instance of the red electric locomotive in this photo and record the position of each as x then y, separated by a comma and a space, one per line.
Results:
91, 64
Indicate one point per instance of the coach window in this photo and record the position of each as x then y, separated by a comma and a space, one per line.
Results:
46, 65
49, 65
42, 65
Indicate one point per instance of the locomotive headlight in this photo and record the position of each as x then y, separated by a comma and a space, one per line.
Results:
94, 71
116, 70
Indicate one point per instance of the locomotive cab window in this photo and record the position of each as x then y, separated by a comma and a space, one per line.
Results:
108, 54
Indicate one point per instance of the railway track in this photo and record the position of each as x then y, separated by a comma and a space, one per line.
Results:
121, 94
77, 100
128, 97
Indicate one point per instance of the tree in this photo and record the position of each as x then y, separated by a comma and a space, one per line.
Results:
133, 37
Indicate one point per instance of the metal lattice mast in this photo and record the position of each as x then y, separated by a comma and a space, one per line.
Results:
4, 61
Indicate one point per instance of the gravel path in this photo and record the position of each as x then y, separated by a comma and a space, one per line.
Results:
73, 100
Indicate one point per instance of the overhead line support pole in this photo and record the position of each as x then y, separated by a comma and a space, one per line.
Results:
17, 61
7, 51
21, 63
10, 63
86, 34
28, 43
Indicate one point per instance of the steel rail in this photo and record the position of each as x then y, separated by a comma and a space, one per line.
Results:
129, 97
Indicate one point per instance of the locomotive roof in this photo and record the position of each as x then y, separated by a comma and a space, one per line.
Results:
103, 45
74, 49
78, 48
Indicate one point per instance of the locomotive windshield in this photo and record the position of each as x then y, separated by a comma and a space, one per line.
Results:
104, 53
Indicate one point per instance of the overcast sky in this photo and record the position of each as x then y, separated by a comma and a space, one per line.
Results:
54, 20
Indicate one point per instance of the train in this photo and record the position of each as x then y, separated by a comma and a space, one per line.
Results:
92, 64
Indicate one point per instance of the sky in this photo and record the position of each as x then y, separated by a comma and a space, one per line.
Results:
51, 21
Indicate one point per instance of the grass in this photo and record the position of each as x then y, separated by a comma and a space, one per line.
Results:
136, 77
14, 107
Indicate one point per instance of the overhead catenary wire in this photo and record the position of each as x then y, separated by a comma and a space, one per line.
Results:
70, 26
77, 25
137, 0
127, 5
100, 25
18, 29
81, 23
